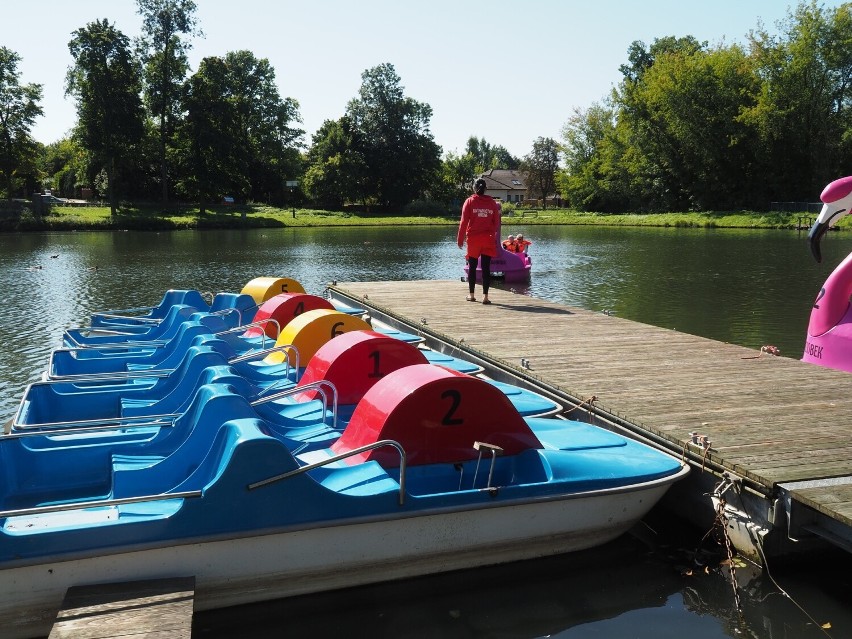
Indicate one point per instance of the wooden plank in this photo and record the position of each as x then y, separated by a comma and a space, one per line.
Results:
154, 609
771, 419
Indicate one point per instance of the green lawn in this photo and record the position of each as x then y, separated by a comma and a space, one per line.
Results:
154, 218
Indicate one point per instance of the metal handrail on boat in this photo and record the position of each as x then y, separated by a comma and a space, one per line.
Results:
86, 425
355, 451
318, 386
227, 311
267, 351
80, 378
140, 320
107, 376
98, 503
159, 343
258, 323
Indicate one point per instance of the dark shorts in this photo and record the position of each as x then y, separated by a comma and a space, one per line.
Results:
481, 245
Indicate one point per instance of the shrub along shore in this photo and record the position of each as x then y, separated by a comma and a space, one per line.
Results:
152, 218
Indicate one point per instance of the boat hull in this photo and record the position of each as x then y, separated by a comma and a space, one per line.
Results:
252, 568
508, 266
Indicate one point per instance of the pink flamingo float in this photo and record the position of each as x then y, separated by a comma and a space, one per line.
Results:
829, 340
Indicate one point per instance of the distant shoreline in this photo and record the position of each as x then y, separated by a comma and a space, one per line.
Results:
97, 218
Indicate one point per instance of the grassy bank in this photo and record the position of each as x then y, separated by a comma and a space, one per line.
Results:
20, 218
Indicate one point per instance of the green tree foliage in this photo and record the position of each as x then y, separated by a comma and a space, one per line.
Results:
695, 128
585, 137
106, 82
164, 53
337, 171
392, 134
540, 167
19, 107
237, 138
208, 154
802, 115
694, 151
65, 164
265, 125
457, 175
486, 156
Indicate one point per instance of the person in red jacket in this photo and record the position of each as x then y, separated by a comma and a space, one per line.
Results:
480, 223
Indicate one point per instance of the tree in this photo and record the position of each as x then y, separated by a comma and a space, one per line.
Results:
265, 125
489, 157
457, 175
585, 135
19, 107
392, 135
163, 24
234, 112
685, 114
336, 170
106, 82
540, 166
802, 115
64, 164
207, 143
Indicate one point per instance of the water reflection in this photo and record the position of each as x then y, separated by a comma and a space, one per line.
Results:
642, 586
751, 288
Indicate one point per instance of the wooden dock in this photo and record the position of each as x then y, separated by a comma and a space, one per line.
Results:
152, 609
771, 434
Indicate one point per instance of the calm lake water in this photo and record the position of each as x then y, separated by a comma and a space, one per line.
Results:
752, 288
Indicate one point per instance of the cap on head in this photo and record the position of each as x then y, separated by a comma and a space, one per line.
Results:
479, 186
511, 237
520, 236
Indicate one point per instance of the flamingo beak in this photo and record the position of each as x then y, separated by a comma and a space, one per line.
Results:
814, 238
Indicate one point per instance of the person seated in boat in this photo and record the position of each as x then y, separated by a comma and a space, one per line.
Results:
521, 244
509, 243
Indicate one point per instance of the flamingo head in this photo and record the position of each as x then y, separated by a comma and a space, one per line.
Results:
836, 202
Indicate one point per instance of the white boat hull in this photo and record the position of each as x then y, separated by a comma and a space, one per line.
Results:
237, 571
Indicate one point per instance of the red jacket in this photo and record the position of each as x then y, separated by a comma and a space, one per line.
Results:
480, 216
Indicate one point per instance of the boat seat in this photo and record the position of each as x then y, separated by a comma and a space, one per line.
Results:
244, 304
136, 474
557, 434
173, 297
163, 331
359, 480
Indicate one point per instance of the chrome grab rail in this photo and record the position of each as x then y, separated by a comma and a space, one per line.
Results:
104, 423
318, 386
107, 376
155, 372
133, 309
140, 319
228, 311
268, 351
258, 323
135, 343
355, 451
98, 503
160, 343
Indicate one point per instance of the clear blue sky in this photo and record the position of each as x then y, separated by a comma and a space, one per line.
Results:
505, 71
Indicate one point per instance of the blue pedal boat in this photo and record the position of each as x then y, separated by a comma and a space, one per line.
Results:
434, 471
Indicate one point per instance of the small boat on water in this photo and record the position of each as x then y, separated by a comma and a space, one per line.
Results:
365, 464
507, 266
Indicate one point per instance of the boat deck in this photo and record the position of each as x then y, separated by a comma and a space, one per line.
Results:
779, 424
